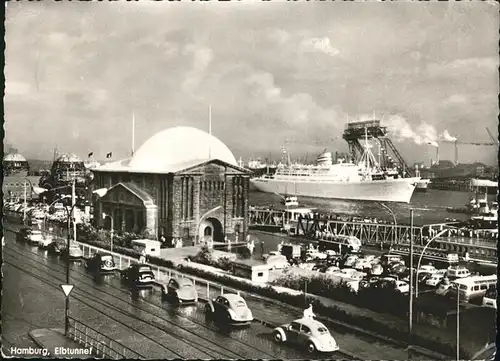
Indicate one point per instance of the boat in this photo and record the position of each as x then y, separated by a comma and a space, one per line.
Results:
364, 180
487, 217
422, 184
290, 201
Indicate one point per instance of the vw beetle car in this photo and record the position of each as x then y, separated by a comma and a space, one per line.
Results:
101, 262
75, 252
138, 275
180, 290
308, 333
230, 308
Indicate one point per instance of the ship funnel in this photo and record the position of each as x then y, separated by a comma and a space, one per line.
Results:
324, 158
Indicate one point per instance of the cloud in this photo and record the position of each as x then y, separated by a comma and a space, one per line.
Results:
455, 99
202, 57
322, 45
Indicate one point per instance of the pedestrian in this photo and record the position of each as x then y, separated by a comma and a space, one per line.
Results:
142, 258
308, 312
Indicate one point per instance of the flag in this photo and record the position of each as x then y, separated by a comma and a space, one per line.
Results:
91, 154
109, 155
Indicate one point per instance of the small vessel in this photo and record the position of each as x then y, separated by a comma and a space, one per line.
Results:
422, 184
290, 201
364, 180
487, 217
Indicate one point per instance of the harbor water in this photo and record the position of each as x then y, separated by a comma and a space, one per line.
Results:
428, 208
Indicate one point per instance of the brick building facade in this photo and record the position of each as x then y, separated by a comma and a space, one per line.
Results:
188, 198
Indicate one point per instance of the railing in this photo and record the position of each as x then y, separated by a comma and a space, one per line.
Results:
101, 345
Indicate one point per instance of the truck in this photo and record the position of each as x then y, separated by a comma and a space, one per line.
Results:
291, 251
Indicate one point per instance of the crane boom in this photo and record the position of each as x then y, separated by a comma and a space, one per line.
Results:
491, 136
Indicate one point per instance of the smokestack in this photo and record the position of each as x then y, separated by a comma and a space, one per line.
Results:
437, 155
456, 153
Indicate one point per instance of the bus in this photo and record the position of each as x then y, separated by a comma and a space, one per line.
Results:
490, 297
474, 287
340, 244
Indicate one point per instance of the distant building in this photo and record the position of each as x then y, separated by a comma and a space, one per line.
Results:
64, 170
182, 183
15, 164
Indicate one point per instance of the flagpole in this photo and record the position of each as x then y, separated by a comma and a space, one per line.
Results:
209, 127
133, 133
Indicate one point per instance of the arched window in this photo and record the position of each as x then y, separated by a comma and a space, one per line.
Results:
237, 228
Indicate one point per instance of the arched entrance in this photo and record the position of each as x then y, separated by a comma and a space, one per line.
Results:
211, 227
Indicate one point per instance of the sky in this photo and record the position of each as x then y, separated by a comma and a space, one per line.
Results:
275, 74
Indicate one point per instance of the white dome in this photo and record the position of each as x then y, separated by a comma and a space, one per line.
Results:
180, 145
14, 157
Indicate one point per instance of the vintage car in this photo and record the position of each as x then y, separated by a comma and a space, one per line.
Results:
362, 264
45, 241
55, 247
101, 262
308, 333
277, 262
229, 308
75, 252
376, 270
34, 236
434, 280
180, 290
138, 275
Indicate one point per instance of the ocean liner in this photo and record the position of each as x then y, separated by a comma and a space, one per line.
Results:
364, 180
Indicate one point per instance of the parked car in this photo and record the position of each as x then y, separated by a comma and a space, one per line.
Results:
55, 247
444, 287
422, 277
101, 262
332, 270
229, 308
307, 265
350, 260
392, 284
434, 280
313, 254
180, 290
377, 270
427, 269
307, 333
45, 241
138, 275
75, 252
35, 236
23, 234
362, 264
277, 262
272, 253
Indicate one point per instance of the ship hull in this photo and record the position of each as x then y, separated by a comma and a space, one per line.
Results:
389, 190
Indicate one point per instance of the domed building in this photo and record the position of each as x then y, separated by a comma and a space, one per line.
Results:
66, 168
15, 164
182, 183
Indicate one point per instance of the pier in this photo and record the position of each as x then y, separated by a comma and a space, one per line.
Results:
322, 226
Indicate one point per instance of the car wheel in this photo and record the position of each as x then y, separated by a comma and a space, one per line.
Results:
311, 347
278, 337
208, 309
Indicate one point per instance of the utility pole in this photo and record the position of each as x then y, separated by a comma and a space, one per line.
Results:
25, 205
410, 313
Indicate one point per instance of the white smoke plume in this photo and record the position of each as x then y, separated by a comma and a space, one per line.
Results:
446, 136
399, 128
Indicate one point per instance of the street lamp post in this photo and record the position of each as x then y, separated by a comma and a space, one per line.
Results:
422, 254
395, 222
68, 241
458, 324
104, 215
201, 219
410, 313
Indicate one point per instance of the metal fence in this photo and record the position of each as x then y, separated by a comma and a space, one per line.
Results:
101, 345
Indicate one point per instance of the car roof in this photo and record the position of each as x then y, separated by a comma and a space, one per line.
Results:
182, 281
232, 297
309, 322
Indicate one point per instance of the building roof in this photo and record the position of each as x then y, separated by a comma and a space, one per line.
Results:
68, 158
14, 157
173, 150
133, 188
